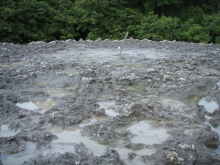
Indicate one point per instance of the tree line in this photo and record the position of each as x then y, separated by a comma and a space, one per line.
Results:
23, 21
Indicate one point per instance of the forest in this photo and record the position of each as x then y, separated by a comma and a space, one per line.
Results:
23, 21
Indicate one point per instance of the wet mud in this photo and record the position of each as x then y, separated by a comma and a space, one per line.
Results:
80, 102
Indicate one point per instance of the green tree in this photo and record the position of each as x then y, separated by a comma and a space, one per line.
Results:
211, 24
155, 28
192, 32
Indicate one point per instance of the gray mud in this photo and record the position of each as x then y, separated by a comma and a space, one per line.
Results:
80, 102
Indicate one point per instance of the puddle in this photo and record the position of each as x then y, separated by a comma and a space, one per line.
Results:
93, 120
210, 106
16, 159
173, 104
71, 72
61, 92
76, 137
218, 150
109, 107
195, 98
59, 148
217, 130
6, 132
25, 63
66, 139
8, 66
206, 71
39, 106
126, 66
28, 105
138, 88
44, 83
147, 135
45, 105
123, 153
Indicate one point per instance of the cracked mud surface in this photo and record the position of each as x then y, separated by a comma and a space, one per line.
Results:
80, 102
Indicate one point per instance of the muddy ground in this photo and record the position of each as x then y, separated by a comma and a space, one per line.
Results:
80, 102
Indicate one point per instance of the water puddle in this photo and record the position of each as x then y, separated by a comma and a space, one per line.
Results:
76, 137
126, 66
109, 107
71, 72
59, 148
40, 106
61, 92
218, 150
124, 154
217, 130
137, 88
67, 139
93, 120
45, 104
44, 83
8, 66
207, 72
28, 105
210, 106
146, 134
6, 132
173, 104
19, 158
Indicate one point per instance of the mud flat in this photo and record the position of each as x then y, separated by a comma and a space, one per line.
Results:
80, 102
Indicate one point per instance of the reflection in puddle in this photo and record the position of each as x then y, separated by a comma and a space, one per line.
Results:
217, 130
109, 107
71, 72
137, 88
126, 66
206, 71
76, 137
146, 135
45, 105
59, 148
123, 153
6, 132
210, 107
61, 92
28, 105
93, 120
15, 159
44, 83
40, 106
218, 150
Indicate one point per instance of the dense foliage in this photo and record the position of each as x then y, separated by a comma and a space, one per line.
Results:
22, 21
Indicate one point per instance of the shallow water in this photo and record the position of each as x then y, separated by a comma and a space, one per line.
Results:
6, 132
147, 135
61, 92
39, 106
76, 137
45, 104
210, 107
59, 148
109, 107
218, 150
217, 130
71, 72
17, 159
123, 153
138, 88
28, 105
